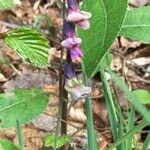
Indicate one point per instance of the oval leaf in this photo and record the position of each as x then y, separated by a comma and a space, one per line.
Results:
7, 145
137, 24
106, 21
22, 105
49, 140
6, 4
29, 44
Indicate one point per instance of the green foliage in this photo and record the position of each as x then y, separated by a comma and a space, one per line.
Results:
131, 97
7, 145
49, 140
6, 4
134, 130
92, 143
137, 24
130, 126
142, 95
22, 105
110, 105
146, 142
106, 21
29, 44
106, 61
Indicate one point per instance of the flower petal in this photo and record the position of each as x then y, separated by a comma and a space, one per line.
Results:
83, 24
73, 5
78, 92
69, 29
76, 16
87, 14
68, 43
69, 73
76, 52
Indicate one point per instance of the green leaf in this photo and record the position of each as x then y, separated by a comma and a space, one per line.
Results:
49, 140
29, 44
137, 24
106, 21
22, 105
6, 4
142, 95
7, 145
131, 97
106, 61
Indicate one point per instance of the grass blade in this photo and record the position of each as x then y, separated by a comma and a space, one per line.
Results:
130, 126
131, 97
147, 142
136, 129
110, 105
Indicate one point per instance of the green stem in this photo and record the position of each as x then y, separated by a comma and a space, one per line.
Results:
19, 134
92, 143
110, 106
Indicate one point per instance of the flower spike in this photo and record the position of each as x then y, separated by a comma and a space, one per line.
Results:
76, 16
72, 42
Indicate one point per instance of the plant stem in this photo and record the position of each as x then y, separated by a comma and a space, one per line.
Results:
92, 143
19, 134
62, 113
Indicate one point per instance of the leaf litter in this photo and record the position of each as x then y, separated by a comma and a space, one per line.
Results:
131, 52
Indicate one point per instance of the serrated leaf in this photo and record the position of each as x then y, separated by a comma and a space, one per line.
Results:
106, 21
49, 140
142, 95
6, 4
22, 105
137, 24
7, 145
29, 44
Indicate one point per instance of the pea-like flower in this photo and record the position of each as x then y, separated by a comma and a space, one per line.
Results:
72, 42
76, 89
80, 18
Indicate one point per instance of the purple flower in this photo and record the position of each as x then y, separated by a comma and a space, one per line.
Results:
76, 89
72, 42
76, 16
73, 5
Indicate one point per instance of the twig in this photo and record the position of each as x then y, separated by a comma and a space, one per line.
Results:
9, 25
139, 67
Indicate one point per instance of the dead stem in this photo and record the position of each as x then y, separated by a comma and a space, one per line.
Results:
62, 113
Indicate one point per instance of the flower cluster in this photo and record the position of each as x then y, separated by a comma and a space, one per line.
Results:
76, 89
72, 42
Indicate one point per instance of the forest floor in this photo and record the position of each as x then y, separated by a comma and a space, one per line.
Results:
130, 59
